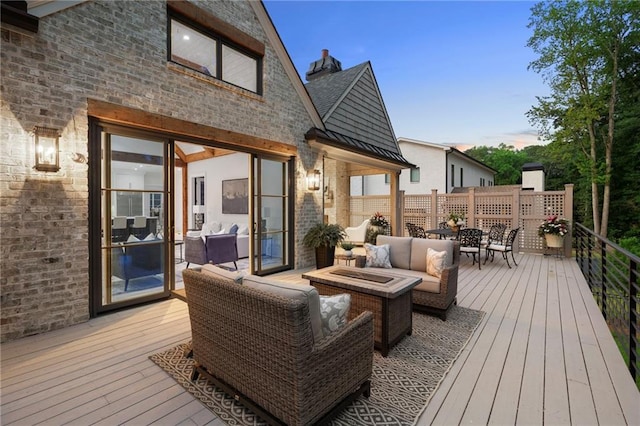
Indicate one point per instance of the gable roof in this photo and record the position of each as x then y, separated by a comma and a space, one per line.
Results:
354, 115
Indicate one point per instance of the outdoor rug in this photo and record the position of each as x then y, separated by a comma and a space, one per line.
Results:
401, 383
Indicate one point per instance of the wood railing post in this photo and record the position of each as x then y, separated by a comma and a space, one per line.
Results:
568, 213
633, 318
434, 208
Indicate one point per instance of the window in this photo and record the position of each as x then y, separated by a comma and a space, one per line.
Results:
482, 182
415, 174
387, 178
461, 177
211, 54
453, 175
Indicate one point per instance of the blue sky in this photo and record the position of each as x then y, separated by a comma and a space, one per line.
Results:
450, 72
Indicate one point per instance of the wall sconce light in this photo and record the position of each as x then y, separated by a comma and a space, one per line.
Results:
47, 149
313, 180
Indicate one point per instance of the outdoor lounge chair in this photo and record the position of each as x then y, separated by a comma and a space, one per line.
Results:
262, 343
357, 234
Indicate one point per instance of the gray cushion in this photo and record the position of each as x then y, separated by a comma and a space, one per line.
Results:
293, 291
399, 250
233, 229
235, 276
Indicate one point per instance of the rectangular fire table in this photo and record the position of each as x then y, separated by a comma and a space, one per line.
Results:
385, 294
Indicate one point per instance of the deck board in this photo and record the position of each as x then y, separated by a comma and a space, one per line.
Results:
541, 354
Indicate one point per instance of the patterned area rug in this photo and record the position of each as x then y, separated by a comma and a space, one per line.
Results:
401, 385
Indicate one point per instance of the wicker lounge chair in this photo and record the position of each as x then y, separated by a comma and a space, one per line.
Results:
260, 347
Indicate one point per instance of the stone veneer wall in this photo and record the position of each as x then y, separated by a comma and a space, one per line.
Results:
113, 51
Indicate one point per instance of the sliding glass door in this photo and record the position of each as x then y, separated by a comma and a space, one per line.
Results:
272, 189
134, 201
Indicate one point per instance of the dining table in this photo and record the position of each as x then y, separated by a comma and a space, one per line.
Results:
442, 232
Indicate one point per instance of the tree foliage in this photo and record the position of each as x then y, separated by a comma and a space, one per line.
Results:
587, 54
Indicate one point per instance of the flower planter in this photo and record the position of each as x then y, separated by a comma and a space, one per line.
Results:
554, 241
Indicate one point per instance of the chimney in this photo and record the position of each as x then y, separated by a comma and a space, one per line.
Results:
327, 64
533, 177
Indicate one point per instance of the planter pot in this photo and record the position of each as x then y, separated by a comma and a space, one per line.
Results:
325, 256
554, 241
348, 253
455, 228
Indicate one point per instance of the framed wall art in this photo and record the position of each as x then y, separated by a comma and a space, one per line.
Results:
235, 196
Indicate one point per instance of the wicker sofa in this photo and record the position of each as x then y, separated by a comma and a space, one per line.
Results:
259, 342
408, 256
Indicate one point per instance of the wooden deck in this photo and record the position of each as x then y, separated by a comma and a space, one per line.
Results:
542, 354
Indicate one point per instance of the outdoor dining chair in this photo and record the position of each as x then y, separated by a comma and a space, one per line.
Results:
470, 242
495, 235
416, 231
503, 248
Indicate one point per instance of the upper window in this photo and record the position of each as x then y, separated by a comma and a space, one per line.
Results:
415, 174
212, 55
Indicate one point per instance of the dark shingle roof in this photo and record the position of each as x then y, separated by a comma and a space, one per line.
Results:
326, 90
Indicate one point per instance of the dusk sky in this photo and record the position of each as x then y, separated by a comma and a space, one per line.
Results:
449, 72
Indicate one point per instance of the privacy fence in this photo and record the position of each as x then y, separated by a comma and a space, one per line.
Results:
481, 209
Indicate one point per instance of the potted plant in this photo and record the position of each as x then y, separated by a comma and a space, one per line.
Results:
553, 229
455, 221
324, 238
378, 225
347, 246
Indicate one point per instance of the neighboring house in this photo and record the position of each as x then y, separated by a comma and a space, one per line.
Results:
441, 167
356, 120
154, 105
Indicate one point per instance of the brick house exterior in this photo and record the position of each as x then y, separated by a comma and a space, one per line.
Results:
107, 53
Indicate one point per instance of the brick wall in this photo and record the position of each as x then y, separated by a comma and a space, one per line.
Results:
116, 52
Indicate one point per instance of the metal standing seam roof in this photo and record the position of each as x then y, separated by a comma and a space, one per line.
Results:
352, 144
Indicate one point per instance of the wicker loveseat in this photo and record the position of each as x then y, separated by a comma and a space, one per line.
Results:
408, 256
260, 346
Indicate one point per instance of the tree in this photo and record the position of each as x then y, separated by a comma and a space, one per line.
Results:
581, 47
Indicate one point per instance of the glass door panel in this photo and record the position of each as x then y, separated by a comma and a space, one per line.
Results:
134, 209
270, 209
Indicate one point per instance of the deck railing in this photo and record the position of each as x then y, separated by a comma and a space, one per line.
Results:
612, 274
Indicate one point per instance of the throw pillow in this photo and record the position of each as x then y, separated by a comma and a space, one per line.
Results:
436, 261
132, 239
334, 311
377, 256
243, 230
233, 229
149, 237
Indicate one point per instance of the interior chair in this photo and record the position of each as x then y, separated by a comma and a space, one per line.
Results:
470, 242
119, 229
139, 227
357, 234
503, 248
222, 248
213, 249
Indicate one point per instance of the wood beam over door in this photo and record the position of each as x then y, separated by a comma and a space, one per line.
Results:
186, 130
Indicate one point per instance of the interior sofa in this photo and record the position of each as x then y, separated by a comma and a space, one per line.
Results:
130, 261
261, 342
408, 256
